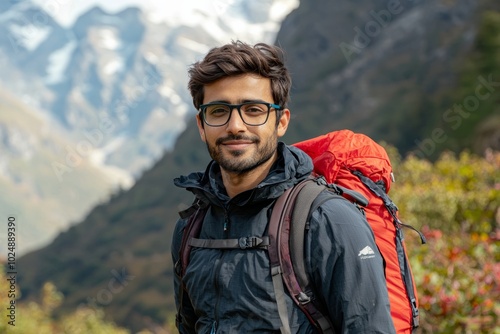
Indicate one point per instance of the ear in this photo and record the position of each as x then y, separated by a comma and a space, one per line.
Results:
201, 127
283, 122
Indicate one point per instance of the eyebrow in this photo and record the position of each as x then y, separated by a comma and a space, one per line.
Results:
242, 101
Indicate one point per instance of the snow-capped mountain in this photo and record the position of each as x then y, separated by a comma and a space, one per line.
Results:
111, 86
121, 69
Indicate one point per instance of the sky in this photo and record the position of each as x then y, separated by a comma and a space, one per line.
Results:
66, 11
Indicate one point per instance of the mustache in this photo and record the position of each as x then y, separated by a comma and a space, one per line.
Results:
222, 140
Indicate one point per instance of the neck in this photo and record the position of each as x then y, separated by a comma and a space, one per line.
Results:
236, 183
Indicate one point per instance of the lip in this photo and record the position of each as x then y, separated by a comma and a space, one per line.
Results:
237, 144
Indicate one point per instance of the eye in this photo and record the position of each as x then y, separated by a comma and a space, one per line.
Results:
255, 108
217, 110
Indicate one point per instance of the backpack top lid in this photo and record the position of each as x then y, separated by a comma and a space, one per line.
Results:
343, 151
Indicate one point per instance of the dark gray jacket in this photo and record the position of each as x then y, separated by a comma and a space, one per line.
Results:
231, 291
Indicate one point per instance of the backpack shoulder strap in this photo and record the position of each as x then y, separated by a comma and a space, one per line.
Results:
286, 232
300, 217
195, 214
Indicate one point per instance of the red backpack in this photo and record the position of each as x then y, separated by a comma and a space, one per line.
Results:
356, 162
355, 167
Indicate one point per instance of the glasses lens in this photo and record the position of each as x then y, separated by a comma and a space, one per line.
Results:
217, 114
254, 113
251, 113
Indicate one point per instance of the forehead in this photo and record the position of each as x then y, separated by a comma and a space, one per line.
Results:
236, 89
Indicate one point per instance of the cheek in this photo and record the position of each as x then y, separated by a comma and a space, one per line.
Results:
209, 135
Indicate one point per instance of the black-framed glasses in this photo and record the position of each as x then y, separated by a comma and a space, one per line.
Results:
252, 113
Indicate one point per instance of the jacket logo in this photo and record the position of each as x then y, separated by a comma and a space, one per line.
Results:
366, 253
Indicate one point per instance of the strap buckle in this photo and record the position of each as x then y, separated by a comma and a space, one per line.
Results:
303, 298
249, 242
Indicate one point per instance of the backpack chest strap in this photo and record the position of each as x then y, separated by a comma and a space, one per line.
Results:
241, 243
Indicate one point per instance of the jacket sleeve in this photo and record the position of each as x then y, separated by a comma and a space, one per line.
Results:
347, 269
185, 318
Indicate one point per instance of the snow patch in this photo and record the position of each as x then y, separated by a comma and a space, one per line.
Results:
281, 8
29, 36
109, 39
118, 176
58, 62
113, 67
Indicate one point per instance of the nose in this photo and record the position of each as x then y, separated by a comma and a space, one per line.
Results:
235, 123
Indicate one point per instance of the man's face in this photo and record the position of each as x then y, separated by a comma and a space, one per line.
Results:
236, 146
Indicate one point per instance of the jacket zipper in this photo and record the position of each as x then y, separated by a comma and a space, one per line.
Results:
226, 224
214, 328
216, 276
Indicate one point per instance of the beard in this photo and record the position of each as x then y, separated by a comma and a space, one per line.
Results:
231, 161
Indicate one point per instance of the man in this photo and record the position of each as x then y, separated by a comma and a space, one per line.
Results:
241, 92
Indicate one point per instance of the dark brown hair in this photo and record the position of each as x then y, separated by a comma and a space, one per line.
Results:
238, 58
